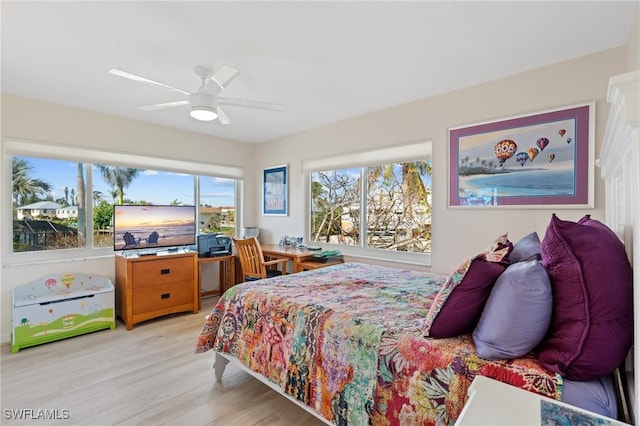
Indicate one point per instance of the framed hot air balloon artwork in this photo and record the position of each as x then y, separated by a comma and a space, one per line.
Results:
539, 160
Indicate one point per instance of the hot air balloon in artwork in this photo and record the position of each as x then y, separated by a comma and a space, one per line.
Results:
568, 140
533, 153
51, 282
522, 158
505, 150
542, 143
551, 156
561, 132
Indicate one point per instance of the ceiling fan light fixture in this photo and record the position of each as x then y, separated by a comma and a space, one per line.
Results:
203, 113
203, 107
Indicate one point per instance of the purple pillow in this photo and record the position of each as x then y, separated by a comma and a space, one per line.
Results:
591, 327
516, 316
459, 303
464, 305
597, 395
527, 248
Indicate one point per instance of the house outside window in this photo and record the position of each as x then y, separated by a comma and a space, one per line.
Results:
40, 209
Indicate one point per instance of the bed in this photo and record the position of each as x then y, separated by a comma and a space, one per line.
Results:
361, 344
360, 349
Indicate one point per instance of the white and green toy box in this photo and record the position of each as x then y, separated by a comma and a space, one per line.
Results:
58, 306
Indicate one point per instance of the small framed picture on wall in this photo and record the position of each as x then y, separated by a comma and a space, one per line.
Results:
275, 200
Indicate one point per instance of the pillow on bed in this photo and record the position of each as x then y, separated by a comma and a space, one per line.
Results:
597, 395
591, 328
459, 303
527, 248
516, 316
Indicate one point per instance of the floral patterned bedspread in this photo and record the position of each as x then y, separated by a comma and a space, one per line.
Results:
347, 341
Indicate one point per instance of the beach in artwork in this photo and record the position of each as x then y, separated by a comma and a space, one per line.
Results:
530, 161
551, 180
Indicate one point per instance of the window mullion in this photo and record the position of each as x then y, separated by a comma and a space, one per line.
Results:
196, 200
88, 202
363, 207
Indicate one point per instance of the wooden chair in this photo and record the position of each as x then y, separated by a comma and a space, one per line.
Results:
252, 260
130, 240
153, 238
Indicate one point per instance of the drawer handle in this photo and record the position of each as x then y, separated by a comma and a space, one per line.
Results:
165, 271
165, 295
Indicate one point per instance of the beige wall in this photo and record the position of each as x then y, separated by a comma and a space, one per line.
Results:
457, 234
633, 62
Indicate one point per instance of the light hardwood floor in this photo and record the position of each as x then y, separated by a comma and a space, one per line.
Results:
146, 376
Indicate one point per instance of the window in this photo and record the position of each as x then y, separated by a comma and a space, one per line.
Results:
68, 203
217, 211
48, 204
335, 206
380, 205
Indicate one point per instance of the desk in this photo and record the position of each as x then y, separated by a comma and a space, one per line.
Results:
293, 254
227, 274
310, 265
298, 257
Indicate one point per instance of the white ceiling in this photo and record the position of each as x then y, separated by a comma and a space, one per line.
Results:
322, 61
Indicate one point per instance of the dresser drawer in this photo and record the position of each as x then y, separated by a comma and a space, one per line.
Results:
168, 271
162, 296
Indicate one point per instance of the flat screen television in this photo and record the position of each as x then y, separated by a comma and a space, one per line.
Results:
137, 227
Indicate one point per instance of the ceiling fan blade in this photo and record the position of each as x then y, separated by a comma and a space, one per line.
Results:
224, 75
139, 79
250, 104
164, 105
222, 117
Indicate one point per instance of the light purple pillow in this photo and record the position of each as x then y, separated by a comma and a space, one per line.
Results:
527, 248
597, 395
517, 314
591, 328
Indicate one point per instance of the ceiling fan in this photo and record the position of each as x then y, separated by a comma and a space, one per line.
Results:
205, 102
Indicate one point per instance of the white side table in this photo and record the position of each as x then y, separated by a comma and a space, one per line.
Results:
493, 403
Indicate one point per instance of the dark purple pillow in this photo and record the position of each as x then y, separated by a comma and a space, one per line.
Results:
458, 305
591, 327
466, 301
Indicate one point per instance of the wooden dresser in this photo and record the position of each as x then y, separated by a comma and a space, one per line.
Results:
152, 286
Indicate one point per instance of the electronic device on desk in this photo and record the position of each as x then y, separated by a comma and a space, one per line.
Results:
211, 245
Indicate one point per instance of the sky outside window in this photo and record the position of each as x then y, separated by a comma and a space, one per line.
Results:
155, 187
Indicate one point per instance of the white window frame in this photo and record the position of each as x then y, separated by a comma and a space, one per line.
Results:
22, 147
412, 151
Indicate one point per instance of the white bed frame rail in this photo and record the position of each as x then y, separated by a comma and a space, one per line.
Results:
220, 362
620, 168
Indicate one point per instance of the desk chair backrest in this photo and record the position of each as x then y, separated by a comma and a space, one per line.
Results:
252, 260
